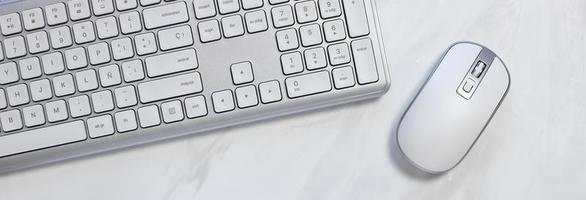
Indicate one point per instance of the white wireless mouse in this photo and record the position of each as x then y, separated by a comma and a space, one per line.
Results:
454, 106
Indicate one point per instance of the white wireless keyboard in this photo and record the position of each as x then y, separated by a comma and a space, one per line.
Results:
79, 77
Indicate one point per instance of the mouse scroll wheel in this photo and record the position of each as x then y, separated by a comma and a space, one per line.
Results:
479, 69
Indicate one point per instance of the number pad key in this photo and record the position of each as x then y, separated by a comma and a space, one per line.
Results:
291, 63
306, 12
343, 77
330, 8
315, 58
339, 54
287, 40
310, 35
334, 30
282, 16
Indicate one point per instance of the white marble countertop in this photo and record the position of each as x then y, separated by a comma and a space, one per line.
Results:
535, 147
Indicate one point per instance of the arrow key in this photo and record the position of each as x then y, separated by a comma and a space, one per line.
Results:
246, 96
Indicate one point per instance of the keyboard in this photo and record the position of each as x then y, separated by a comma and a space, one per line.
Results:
80, 77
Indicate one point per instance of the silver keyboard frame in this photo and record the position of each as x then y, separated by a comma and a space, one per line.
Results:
213, 62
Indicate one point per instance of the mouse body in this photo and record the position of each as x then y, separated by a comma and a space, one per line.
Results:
453, 107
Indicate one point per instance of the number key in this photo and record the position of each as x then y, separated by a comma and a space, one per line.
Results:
287, 40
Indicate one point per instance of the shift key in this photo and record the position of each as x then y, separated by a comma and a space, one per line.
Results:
166, 88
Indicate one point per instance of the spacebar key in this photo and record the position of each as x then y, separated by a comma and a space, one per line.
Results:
42, 138
170, 87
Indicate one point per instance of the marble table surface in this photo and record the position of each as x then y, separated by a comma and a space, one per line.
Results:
535, 147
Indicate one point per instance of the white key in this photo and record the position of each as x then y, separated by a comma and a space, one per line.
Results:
343, 77
232, 26
356, 19
149, 2
242, 73
122, 49
339, 54
209, 30
124, 5
196, 107
41, 90
10, 24
273, 2
282, 16
145, 44
287, 40
310, 35
256, 21
334, 30
102, 101
53, 63
56, 111
102, 7
308, 84
3, 103
175, 37
86, 80
251, 4
132, 71
364, 61
165, 15
99, 53
100, 126
270, 92
8, 73
15, 47
107, 27
223, 101
172, 111
125, 96
110, 75
171, 63
125, 121
246, 96
149, 116
61, 37
38, 42
228, 6
30, 68
76, 58
130, 22
329, 8
79, 106
1, 52
11, 121
315, 58
292, 63
306, 11
170, 87
79, 9
204, 8
63, 85
33, 115
56, 14
17, 95
33, 19
84, 32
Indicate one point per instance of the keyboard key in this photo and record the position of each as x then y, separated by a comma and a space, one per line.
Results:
41, 90
56, 111
334, 30
84, 32
33, 115
339, 54
122, 49
195, 107
15, 47
315, 58
223, 101
149, 116
1, 52
11, 121
364, 61
102, 101
228, 6
256, 21
270, 92
33, 19
63, 85
329, 8
42, 138
102, 7
204, 8
251, 4
165, 15
79, 9
273, 2
242, 73
17, 95
52, 63
356, 18
172, 111
100, 126
282, 16
3, 103
86, 80
343, 77
232, 26
79, 106
287, 40
10, 24
76, 58
130, 22
56, 14
38, 42
99, 53
308, 84
291, 63
109, 75
310, 35
8, 73
132, 71
170, 87
171, 63
107, 27
306, 11
30, 68
125, 121
209, 31
145, 44
246, 96
124, 5
175, 37
125, 96
61, 37
149, 2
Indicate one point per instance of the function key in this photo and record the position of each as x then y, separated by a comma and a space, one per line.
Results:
273, 2
149, 2
251, 4
124, 5
102, 7
33, 19
10, 24
56, 14
79, 9
228, 6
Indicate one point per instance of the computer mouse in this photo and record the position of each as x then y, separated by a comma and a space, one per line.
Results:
453, 108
